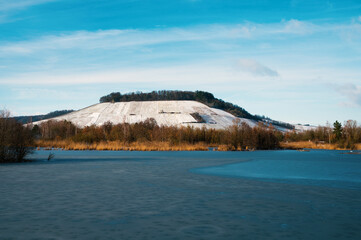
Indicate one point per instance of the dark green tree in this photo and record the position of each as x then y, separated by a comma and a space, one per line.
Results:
337, 130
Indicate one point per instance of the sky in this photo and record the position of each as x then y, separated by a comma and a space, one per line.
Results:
291, 60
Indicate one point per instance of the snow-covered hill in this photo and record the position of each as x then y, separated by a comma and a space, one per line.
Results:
169, 113
302, 128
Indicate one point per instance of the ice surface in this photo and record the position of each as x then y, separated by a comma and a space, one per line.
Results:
154, 195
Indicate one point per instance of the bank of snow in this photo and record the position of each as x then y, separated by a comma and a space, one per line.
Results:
168, 113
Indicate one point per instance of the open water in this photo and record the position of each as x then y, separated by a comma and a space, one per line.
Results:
182, 195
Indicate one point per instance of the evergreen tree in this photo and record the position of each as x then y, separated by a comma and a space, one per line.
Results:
337, 130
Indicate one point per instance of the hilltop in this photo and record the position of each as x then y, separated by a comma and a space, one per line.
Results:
167, 113
206, 98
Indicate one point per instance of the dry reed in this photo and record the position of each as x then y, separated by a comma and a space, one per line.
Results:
121, 146
166, 146
314, 145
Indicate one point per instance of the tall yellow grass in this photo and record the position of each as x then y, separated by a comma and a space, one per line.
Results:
313, 145
121, 146
232, 148
358, 146
166, 146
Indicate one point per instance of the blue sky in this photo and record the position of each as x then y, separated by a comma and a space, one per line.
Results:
295, 61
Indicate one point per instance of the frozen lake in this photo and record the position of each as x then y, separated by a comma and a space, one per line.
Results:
182, 195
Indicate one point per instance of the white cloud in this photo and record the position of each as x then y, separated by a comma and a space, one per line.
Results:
203, 34
351, 34
84, 57
297, 27
113, 39
359, 18
6, 5
352, 92
257, 69
200, 74
34, 93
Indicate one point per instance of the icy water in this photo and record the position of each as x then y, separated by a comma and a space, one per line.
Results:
182, 195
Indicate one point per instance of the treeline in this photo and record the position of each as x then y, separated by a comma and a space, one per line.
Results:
34, 118
15, 139
345, 136
237, 137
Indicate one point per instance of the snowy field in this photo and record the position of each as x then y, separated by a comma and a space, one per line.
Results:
168, 113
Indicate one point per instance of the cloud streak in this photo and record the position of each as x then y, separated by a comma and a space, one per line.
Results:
205, 35
103, 51
6, 5
257, 69
113, 39
186, 74
352, 92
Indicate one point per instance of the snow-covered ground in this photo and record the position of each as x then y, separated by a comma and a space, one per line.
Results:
301, 128
168, 113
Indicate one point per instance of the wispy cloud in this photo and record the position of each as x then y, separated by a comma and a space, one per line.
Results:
185, 74
216, 33
111, 39
6, 5
257, 69
352, 92
100, 52
295, 26
25, 94
108, 39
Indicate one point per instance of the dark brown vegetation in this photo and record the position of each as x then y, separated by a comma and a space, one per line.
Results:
148, 133
15, 139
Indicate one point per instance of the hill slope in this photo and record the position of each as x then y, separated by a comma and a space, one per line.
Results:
199, 96
171, 95
34, 118
169, 113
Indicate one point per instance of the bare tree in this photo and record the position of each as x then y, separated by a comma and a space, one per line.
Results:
15, 139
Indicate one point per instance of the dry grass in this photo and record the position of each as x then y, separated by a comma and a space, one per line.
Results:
135, 146
358, 146
313, 145
121, 146
166, 146
224, 148
232, 148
